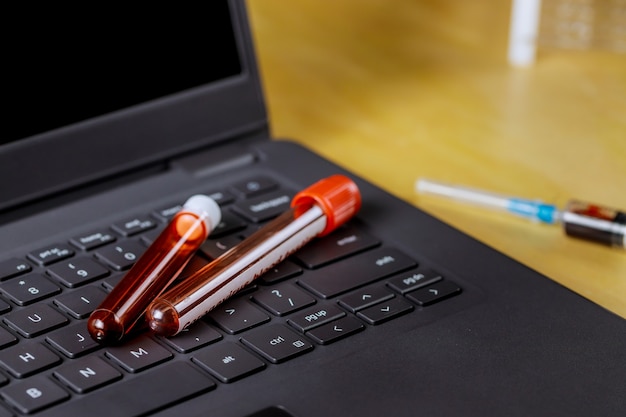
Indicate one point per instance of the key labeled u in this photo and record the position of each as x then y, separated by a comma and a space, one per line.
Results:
35, 318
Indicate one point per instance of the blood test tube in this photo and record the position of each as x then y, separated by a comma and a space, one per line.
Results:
315, 211
159, 265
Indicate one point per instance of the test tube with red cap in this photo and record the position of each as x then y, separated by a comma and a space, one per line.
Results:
155, 270
315, 211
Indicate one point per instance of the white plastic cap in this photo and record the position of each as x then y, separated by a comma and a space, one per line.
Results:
204, 206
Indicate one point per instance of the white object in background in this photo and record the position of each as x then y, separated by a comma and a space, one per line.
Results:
524, 31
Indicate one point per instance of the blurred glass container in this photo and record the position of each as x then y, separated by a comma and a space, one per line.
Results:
565, 24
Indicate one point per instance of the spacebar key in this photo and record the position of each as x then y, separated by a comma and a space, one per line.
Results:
146, 393
356, 271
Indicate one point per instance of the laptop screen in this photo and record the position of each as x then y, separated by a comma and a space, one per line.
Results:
72, 67
89, 95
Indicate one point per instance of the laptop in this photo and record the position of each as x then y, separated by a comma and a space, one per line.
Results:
112, 125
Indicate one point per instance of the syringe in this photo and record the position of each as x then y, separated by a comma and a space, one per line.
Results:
531, 209
315, 211
159, 265
580, 219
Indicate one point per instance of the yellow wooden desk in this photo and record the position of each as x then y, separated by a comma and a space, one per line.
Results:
396, 90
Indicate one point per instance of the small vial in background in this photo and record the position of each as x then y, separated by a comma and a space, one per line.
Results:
596, 223
565, 24
155, 270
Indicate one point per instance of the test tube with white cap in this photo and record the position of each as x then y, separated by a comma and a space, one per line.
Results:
155, 270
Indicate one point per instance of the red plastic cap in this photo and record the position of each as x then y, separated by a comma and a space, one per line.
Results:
338, 196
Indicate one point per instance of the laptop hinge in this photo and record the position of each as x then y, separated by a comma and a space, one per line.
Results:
214, 161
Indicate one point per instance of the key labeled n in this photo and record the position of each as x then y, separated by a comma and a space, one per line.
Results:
87, 372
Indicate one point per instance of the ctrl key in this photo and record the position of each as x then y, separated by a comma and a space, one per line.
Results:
34, 394
276, 343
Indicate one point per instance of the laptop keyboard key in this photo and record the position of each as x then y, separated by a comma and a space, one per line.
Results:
28, 289
194, 337
364, 298
6, 338
343, 242
13, 267
139, 354
134, 225
4, 306
92, 240
27, 358
213, 248
255, 186
230, 223
165, 214
413, 280
222, 197
34, 395
282, 300
50, 254
314, 317
73, 341
336, 330
265, 207
228, 361
77, 271
121, 256
111, 281
434, 293
356, 271
237, 315
285, 269
82, 302
276, 342
87, 374
35, 320
385, 311
149, 237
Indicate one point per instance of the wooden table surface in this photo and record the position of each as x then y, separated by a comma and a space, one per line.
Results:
397, 90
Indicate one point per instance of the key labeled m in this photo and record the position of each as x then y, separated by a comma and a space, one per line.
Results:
138, 353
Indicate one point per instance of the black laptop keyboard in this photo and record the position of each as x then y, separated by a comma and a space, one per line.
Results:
336, 287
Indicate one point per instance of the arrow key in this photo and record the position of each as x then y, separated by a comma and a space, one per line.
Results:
331, 332
384, 311
364, 298
434, 293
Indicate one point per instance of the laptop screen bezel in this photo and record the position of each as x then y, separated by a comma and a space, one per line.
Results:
139, 136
